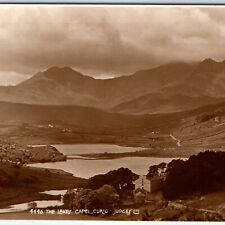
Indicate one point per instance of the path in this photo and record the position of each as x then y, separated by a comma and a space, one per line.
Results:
176, 139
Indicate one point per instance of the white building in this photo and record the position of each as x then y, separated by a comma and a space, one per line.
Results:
149, 185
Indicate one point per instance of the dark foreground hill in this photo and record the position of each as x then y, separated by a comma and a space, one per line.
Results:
24, 184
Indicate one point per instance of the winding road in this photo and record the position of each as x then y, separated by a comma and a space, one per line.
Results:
176, 139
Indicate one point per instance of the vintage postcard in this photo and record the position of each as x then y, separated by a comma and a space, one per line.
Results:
112, 112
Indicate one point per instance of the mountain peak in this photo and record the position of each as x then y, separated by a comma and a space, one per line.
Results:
207, 69
208, 61
65, 71
66, 68
208, 65
52, 69
56, 69
64, 75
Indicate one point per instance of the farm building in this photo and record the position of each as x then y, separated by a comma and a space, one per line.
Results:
149, 184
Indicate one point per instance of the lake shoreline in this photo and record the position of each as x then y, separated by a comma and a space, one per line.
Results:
127, 151
29, 182
153, 153
74, 180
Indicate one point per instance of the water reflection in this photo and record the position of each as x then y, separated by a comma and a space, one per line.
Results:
88, 168
28, 205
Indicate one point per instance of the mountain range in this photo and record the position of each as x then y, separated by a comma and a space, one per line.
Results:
168, 88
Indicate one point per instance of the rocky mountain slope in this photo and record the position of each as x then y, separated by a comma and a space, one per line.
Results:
168, 88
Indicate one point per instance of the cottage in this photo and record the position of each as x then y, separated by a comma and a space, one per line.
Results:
143, 183
149, 184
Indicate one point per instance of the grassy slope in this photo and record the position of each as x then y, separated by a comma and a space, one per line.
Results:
29, 124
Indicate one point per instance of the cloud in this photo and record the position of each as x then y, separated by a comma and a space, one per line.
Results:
102, 41
8, 78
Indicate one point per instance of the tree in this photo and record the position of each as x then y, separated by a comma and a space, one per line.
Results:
120, 179
105, 197
205, 117
80, 199
93, 201
68, 199
200, 174
154, 170
108, 196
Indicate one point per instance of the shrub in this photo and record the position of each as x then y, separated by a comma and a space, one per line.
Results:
205, 117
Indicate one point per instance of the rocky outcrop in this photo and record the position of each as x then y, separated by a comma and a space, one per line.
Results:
45, 153
18, 154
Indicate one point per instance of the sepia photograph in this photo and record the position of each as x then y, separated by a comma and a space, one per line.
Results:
112, 112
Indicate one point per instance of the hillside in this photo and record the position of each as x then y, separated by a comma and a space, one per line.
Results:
86, 117
164, 103
25, 184
75, 124
197, 129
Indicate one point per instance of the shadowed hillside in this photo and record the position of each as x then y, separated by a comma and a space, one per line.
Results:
186, 131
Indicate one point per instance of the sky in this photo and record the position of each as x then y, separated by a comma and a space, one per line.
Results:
105, 41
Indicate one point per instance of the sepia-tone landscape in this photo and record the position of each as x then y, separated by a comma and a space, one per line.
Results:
112, 113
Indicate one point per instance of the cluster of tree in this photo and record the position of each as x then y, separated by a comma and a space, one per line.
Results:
121, 179
154, 170
200, 174
205, 117
210, 114
105, 197
220, 111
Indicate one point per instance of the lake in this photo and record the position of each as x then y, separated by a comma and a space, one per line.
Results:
25, 206
73, 149
39, 203
88, 168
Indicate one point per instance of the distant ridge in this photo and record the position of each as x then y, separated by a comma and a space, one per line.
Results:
158, 90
